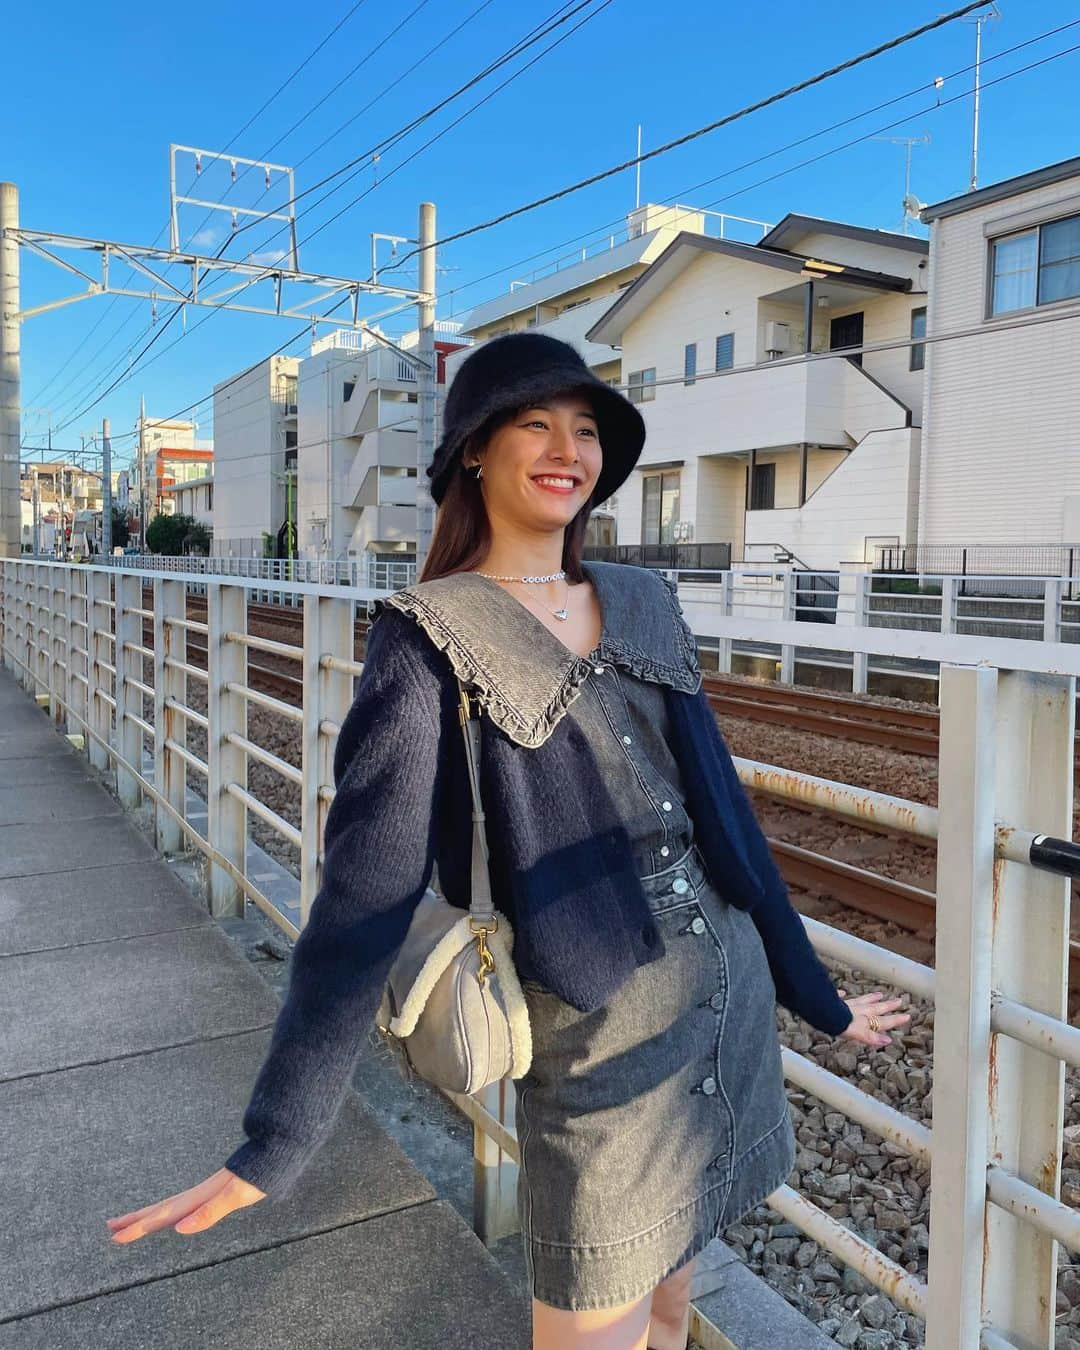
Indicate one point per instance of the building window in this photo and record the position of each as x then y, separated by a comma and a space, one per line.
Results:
1059, 260
290, 440
659, 507
1036, 267
690, 363
642, 385
209, 496
763, 487
725, 351
918, 330
349, 386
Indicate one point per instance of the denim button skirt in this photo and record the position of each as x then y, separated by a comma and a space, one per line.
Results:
647, 1126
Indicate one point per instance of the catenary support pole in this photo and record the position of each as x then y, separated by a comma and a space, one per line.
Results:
425, 378
106, 490
10, 392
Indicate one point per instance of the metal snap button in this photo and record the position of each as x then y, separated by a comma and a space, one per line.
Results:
716, 1002
627, 740
680, 885
708, 1086
698, 926
599, 669
664, 851
666, 806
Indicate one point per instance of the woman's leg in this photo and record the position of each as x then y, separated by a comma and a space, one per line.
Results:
669, 1323
623, 1328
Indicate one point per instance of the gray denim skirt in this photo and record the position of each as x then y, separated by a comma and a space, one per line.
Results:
649, 1125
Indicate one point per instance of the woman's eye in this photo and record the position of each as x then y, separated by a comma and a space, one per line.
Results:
588, 431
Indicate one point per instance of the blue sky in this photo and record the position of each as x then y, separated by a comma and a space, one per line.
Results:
100, 96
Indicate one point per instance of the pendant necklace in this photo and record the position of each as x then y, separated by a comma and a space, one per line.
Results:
552, 576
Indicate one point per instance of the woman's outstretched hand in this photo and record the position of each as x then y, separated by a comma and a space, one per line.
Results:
188, 1211
885, 1017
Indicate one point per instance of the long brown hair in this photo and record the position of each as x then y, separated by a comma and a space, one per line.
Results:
462, 534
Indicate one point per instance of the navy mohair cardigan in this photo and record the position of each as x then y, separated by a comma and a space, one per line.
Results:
565, 878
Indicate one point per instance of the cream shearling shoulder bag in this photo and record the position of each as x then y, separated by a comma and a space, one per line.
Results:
452, 1009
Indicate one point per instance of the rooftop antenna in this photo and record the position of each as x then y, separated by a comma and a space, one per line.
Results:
978, 20
637, 194
910, 201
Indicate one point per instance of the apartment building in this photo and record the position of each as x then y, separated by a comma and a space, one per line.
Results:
768, 428
566, 299
356, 470
1001, 458
256, 416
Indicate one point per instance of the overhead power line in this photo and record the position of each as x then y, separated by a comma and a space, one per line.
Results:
231, 141
599, 231
746, 111
523, 44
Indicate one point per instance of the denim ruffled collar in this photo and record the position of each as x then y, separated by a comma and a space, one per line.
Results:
523, 676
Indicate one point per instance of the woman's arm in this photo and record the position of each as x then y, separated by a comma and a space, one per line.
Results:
379, 851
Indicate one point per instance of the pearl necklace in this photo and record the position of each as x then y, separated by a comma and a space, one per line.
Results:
563, 613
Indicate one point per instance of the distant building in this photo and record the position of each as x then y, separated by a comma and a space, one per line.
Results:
356, 470
255, 437
195, 498
1001, 459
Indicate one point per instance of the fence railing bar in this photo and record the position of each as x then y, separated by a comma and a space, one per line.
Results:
276, 822
272, 761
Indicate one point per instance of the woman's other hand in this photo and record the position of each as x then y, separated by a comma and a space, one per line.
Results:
873, 1005
188, 1211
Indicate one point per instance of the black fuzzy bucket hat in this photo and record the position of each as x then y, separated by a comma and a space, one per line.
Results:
519, 369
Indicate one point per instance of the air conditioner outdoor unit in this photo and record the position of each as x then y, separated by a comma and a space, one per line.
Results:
777, 339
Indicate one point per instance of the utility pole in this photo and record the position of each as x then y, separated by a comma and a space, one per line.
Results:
106, 488
10, 391
35, 494
142, 474
425, 380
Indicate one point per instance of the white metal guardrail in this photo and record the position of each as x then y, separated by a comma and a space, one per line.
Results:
74, 637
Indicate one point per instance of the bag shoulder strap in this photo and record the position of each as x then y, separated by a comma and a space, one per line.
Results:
481, 905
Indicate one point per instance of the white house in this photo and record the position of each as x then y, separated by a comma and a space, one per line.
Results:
758, 435
1001, 458
255, 436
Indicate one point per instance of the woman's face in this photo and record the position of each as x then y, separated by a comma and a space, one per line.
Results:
541, 466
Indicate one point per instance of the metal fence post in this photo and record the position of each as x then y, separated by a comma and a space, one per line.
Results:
1036, 727
787, 614
860, 665
129, 737
226, 711
42, 609
495, 1175
965, 883
78, 670
727, 596
100, 653
58, 634
170, 771
1052, 598
949, 587
329, 625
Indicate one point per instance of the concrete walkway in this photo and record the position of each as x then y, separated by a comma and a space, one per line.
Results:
132, 1031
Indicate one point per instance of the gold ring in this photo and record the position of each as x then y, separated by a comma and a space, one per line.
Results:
875, 1025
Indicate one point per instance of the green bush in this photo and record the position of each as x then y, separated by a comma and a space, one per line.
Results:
176, 535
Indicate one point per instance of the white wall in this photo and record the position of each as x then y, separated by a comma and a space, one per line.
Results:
1002, 433
872, 492
249, 448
